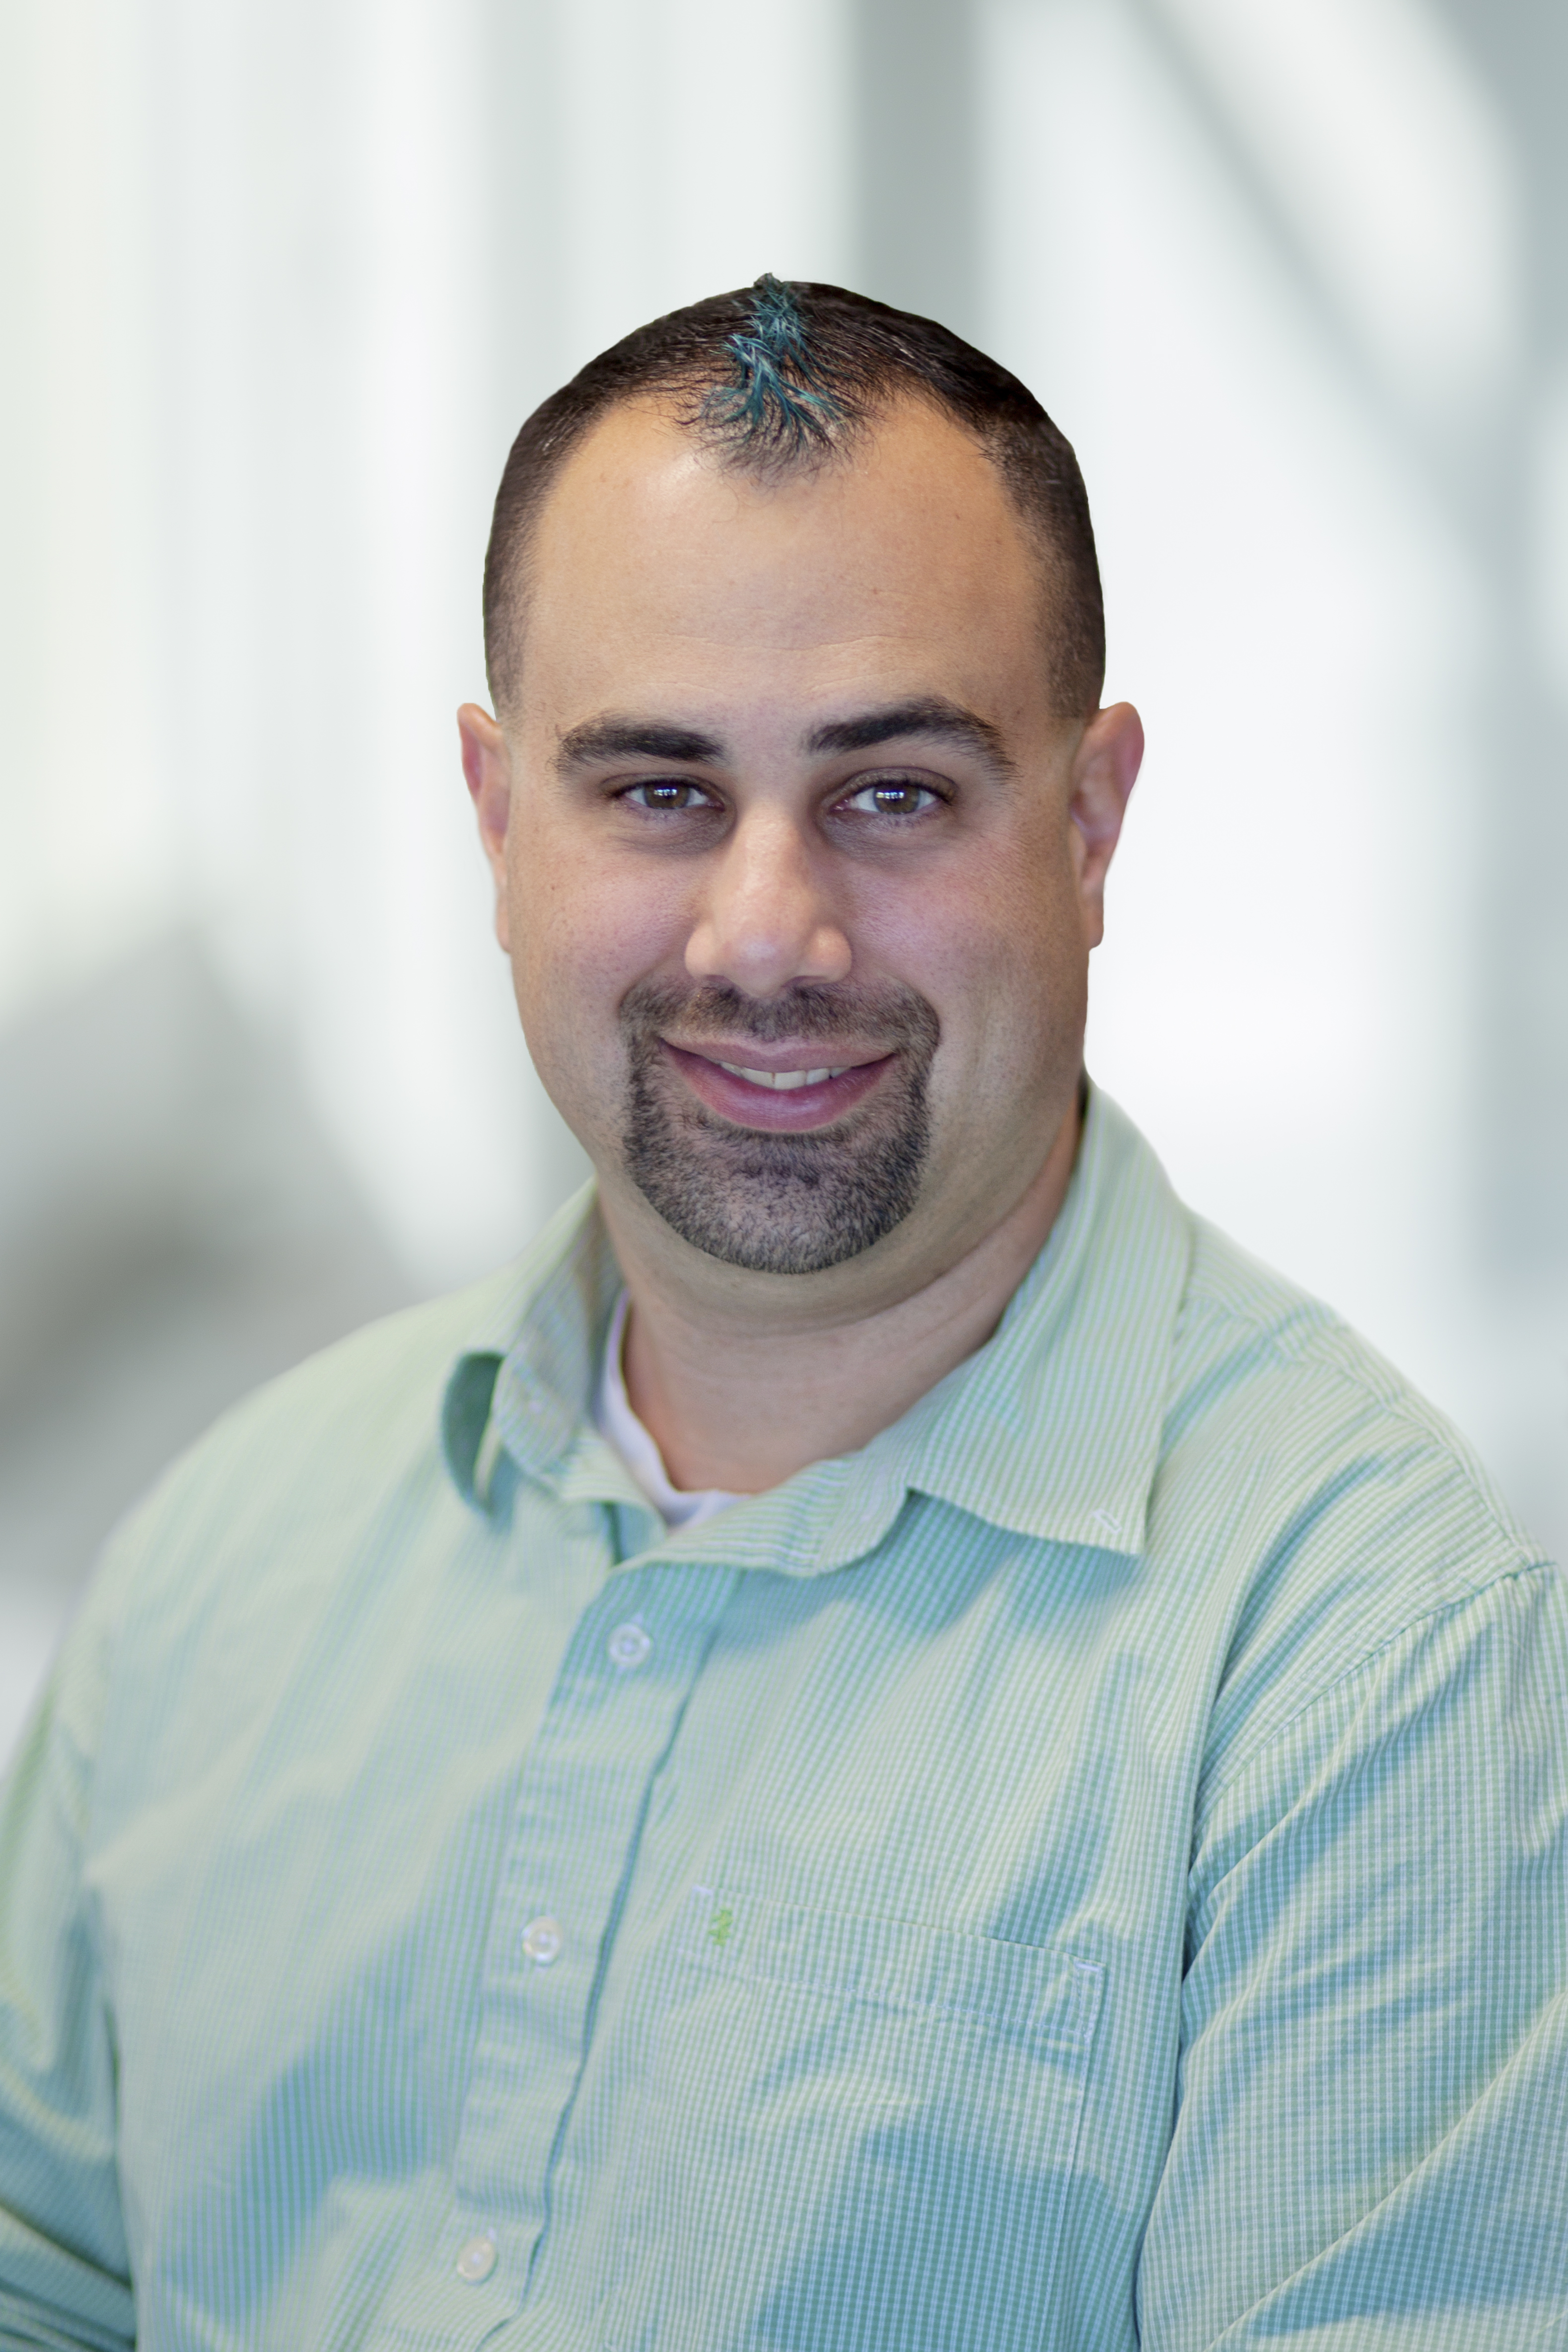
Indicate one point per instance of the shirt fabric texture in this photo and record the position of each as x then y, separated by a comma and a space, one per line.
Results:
1085, 1870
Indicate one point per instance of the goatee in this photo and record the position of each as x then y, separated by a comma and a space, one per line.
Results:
778, 1204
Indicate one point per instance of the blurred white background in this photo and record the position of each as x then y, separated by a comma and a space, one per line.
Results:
279, 284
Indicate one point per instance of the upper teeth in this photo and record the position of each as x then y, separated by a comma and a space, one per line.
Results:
783, 1079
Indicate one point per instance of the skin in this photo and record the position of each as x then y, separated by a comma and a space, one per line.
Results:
967, 864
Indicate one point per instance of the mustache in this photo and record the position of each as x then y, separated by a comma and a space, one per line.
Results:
896, 1015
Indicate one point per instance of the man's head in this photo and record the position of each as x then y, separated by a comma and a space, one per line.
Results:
798, 811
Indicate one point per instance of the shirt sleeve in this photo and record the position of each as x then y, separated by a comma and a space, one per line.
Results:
65, 2272
1369, 2143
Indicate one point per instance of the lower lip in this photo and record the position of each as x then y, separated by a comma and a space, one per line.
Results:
788, 1111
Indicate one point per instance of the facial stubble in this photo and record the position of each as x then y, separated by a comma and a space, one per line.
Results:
778, 1204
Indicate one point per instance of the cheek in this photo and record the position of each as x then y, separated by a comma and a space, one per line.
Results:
1008, 979
581, 936
997, 951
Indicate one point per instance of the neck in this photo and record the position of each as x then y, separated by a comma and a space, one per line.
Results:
742, 1402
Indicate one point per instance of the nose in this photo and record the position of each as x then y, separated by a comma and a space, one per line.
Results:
767, 920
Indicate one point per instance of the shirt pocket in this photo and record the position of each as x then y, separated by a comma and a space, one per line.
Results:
856, 2133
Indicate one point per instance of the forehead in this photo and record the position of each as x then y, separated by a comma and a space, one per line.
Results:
652, 559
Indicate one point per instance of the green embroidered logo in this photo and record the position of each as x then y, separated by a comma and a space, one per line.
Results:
720, 1927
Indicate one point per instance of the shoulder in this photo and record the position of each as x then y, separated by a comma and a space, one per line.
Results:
343, 1424
337, 1459
1281, 1382
1351, 1511
358, 1420
322, 1495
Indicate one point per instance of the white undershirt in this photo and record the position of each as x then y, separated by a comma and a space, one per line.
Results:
619, 1426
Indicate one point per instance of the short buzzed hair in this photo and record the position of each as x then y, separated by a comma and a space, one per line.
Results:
782, 376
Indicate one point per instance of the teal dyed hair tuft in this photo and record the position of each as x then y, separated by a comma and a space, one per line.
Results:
775, 408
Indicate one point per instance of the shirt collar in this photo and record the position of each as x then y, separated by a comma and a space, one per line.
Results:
1051, 1430
524, 1382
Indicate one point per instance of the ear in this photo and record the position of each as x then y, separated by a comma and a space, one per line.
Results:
1105, 769
488, 765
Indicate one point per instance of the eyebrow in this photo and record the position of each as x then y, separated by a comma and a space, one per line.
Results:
930, 715
634, 738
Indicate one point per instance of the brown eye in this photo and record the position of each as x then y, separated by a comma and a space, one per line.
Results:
669, 792
892, 796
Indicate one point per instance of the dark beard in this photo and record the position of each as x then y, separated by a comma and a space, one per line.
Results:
778, 1204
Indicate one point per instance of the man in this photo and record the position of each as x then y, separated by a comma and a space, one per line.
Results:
937, 1760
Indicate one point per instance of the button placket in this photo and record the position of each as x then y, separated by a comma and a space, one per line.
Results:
528, 2050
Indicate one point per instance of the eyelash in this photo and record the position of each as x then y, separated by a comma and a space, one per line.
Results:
665, 784
931, 796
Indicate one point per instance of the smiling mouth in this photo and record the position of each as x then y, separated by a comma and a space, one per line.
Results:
783, 1080
750, 1096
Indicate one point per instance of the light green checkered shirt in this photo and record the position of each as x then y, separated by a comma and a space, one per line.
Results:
1087, 1870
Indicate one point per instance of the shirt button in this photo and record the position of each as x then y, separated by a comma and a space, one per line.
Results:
542, 1940
629, 1646
477, 2260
